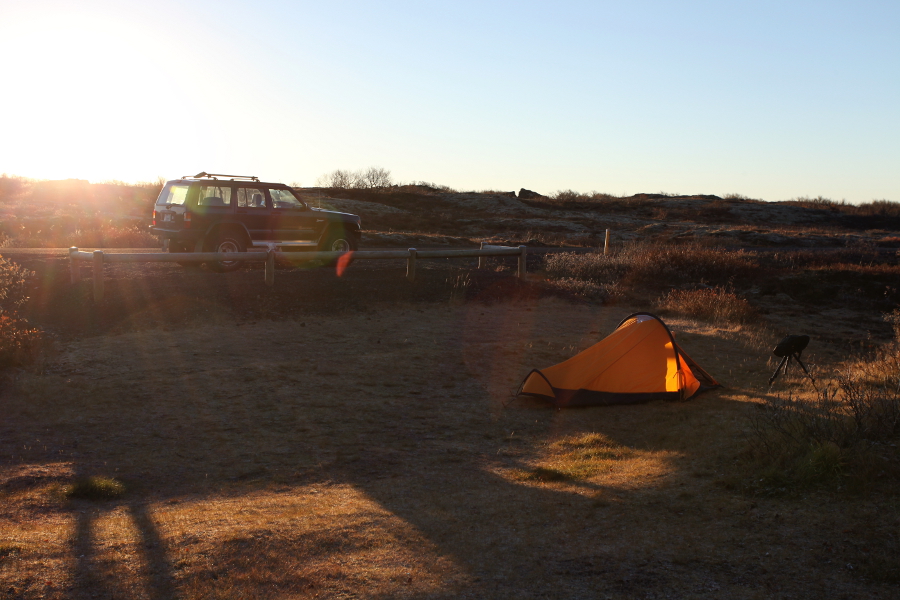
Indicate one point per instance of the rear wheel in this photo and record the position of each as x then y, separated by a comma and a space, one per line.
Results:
226, 244
178, 248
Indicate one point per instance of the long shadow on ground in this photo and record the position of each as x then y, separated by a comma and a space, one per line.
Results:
404, 409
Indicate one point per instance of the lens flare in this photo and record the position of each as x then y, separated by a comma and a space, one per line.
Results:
343, 262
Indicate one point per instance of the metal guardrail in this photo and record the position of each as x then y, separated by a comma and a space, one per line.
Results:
98, 258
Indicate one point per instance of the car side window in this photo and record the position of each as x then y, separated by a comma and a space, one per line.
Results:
214, 195
248, 197
284, 199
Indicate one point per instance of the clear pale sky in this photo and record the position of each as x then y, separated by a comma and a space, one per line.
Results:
772, 100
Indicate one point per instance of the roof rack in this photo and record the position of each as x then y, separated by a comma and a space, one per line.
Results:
205, 175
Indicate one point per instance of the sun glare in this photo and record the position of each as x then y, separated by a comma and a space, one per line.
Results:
94, 98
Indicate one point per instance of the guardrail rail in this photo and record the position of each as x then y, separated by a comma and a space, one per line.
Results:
98, 258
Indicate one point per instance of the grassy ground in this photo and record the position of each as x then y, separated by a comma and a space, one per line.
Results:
372, 452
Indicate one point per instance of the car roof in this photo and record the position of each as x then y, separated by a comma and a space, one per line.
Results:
228, 181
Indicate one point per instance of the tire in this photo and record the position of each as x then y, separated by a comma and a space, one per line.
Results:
339, 241
178, 247
226, 243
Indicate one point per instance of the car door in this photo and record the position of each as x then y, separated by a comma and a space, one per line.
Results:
214, 205
254, 211
292, 220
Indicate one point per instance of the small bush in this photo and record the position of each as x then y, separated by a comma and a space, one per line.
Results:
95, 488
846, 431
20, 344
717, 305
893, 318
13, 279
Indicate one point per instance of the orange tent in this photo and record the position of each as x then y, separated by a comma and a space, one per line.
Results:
637, 362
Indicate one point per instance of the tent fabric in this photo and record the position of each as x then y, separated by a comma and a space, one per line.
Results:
637, 362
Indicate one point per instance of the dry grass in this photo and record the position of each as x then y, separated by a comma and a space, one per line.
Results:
371, 455
588, 289
741, 285
95, 488
716, 305
577, 457
106, 236
655, 266
880, 208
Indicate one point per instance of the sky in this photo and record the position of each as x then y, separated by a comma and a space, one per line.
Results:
771, 100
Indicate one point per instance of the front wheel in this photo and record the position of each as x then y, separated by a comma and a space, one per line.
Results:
339, 242
226, 244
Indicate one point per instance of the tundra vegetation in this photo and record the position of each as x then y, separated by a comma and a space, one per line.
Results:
198, 435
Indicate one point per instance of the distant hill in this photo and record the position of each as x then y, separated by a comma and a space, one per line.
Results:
571, 219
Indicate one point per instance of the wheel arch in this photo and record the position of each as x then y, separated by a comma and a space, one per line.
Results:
342, 228
219, 229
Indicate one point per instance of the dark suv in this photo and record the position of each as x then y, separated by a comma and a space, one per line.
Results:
231, 213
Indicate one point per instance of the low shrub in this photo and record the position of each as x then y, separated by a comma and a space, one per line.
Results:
592, 266
844, 432
588, 289
893, 319
20, 343
717, 305
655, 266
95, 488
880, 208
13, 279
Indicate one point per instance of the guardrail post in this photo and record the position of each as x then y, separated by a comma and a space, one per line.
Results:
411, 265
481, 258
522, 254
270, 265
98, 275
606, 244
74, 271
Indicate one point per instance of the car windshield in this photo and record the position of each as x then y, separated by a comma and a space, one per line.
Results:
284, 199
174, 193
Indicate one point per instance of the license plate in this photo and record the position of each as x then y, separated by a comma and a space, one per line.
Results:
167, 217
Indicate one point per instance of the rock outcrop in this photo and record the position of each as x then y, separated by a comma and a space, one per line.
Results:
528, 194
